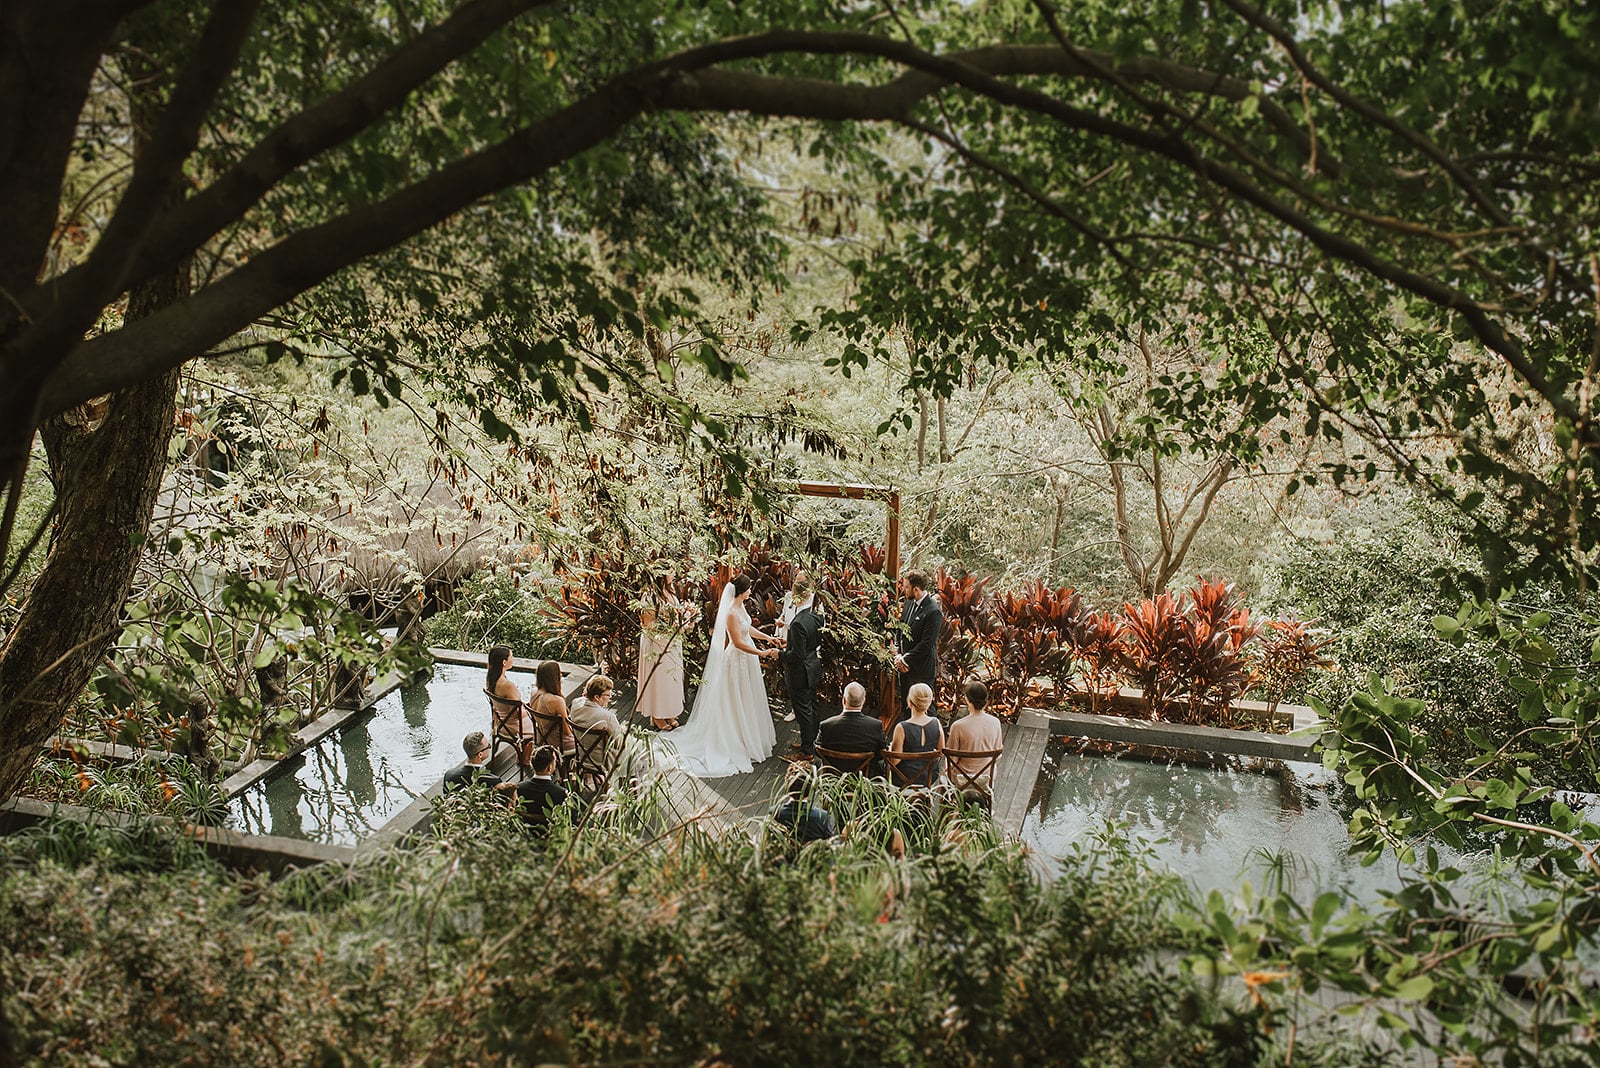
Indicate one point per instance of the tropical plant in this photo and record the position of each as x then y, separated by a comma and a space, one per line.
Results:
1212, 660
499, 607
1097, 644
1288, 651
1153, 641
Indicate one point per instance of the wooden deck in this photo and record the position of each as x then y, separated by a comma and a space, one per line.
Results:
736, 798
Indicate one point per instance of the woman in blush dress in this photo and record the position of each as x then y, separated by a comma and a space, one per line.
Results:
661, 627
730, 729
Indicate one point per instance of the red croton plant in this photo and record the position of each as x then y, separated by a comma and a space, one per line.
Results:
1192, 654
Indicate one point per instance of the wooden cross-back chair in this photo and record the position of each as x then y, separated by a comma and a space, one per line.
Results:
836, 762
552, 730
505, 728
912, 769
590, 762
980, 779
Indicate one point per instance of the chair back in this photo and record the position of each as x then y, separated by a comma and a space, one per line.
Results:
549, 728
589, 756
505, 728
912, 769
957, 763
841, 763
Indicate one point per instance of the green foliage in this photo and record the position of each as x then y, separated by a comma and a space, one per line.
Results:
185, 658
1378, 596
34, 512
633, 940
169, 788
1493, 966
500, 607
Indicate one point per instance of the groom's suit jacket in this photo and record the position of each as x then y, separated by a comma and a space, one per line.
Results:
923, 621
802, 657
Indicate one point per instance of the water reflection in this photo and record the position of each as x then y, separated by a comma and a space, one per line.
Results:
352, 783
414, 702
1189, 806
1211, 823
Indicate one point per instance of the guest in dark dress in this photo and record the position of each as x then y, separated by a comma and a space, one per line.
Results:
539, 793
921, 733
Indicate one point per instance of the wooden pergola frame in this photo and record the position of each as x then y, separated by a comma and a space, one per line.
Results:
891, 545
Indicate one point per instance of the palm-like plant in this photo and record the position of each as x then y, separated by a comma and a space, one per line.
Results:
1153, 638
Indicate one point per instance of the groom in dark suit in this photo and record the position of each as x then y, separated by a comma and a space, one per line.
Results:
802, 665
921, 622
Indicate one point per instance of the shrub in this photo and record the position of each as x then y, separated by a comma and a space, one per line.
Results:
622, 939
502, 607
1377, 596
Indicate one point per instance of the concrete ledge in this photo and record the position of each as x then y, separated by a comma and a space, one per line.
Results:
1183, 736
1128, 699
246, 853
109, 751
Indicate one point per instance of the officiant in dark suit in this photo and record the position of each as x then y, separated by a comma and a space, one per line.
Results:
802, 665
921, 622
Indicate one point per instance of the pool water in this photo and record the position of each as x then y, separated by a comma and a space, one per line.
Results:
1214, 826
356, 779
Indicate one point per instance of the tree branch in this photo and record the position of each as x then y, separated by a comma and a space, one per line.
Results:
298, 140
682, 83
158, 165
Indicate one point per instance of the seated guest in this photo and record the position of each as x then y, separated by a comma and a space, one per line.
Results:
810, 823
976, 732
919, 734
969, 814
539, 792
548, 702
511, 719
853, 731
972, 797
592, 712
476, 769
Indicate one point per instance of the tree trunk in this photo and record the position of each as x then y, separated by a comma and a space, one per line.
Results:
106, 460
922, 430
106, 484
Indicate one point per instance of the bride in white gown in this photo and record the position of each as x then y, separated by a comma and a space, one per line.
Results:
730, 729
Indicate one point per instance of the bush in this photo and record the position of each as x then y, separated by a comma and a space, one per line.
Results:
171, 788
497, 608
1378, 596
615, 941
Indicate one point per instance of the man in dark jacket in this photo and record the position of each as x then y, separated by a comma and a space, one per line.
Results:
808, 821
853, 731
476, 769
921, 622
802, 666
539, 792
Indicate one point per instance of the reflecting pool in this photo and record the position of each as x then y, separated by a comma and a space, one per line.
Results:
1209, 824
352, 782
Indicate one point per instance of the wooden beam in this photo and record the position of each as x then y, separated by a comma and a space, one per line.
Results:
854, 491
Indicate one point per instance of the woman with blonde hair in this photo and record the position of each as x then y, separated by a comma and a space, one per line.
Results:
919, 734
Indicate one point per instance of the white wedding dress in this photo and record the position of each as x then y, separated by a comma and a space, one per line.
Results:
730, 729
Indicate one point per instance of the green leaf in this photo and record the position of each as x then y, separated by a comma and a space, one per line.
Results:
1416, 988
